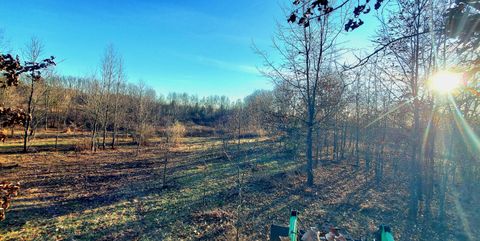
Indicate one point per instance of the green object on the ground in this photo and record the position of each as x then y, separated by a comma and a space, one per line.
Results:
292, 231
386, 236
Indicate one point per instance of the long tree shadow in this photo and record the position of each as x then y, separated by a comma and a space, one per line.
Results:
101, 188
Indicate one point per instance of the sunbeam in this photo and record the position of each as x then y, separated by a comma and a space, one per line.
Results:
388, 112
461, 213
427, 131
468, 134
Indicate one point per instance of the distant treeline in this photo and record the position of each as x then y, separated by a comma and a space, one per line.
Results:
78, 102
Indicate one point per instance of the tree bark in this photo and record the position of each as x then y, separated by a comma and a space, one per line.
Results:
309, 144
28, 121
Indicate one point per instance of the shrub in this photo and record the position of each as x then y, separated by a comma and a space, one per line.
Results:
175, 131
144, 135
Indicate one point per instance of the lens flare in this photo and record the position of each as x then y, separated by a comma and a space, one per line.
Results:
467, 132
445, 82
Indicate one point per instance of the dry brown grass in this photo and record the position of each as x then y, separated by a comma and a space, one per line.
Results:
118, 195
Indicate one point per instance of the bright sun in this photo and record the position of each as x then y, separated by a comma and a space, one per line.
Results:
445, 82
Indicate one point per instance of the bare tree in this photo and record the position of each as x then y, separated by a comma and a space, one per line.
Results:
109, 65
119, 87
32, 52
305, 70
93, 102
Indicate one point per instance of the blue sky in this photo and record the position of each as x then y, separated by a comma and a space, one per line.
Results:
199, 47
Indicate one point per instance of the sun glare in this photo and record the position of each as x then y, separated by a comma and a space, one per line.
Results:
445, 82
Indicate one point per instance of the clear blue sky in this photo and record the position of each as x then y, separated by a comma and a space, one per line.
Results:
199, 47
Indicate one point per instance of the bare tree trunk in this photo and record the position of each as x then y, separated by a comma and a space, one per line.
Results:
105, 124
325, 142
430, 168
335, 140
28, 122
445, 171
319, 147
94, 137
239, 180
47, 106
350, 140
57, 123
357, 127
344, 140
415, 163
115, 113
309, 144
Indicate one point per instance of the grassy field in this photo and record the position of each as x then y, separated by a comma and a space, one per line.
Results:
119, 194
